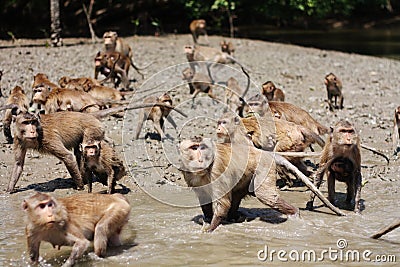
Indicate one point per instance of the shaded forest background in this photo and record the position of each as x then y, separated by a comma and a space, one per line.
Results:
31, 18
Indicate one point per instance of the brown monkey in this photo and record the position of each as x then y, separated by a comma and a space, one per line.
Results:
198, 82
283, 110
100, 159
58, 98
246, 171
113, 65
156, 114
272, 93
42, 80
53, 134
198, 27
17, 97
334, 90
112, 43
341, 160
233, 96
271, 135
396, 131
74, 221
204, 53
227, 47
82, 83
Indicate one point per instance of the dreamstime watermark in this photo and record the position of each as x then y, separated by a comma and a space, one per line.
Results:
340, 253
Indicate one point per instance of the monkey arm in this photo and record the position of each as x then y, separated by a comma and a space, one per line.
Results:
79, 247
33, 246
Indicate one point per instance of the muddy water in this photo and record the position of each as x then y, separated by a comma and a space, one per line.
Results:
162, 235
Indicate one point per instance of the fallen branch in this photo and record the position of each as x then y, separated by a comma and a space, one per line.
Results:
387, 229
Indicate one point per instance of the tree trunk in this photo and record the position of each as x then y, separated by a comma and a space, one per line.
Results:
55, 23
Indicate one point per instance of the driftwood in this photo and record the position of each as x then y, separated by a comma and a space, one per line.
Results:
387, 229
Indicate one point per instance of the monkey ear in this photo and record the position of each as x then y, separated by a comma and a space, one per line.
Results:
80, 147
24, 205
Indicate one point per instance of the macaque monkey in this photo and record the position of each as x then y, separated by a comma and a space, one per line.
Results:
74, 221
283, 110
222, 175
18, 98
396, 131
82, 83
112, 43
57, 98
41, 80
341, 160
270, 134
272, 93
113, 65
156, 114
334, 90
53, 134
198, 27
227, 47
205, 53
100, 159
233, 96
198, 82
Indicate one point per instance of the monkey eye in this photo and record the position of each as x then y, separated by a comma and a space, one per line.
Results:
42, 205
194, 147
202, 147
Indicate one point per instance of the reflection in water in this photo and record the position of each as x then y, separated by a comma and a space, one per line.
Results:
377, 42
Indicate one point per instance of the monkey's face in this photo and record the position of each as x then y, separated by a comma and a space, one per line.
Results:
110, 39
254, 107
268, 88
330, 81
189, 49
197, 156
345, 136
41, 212
27, 127
40, 93
92, 150
222, 131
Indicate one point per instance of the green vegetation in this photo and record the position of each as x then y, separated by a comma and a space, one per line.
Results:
29, 18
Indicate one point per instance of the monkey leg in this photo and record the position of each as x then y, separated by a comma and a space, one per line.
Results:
233, 213
69, 160
18, 166
109, 225
79, 247
205, 203
7, 132
317, 182
331, 187
221, 209
110, 181
269, 196
357, 198
141, 119
157, 125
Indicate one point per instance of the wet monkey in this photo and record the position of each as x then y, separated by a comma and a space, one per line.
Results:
55, 134
396, 131
334, 90
198, 27
341, 160
156, 114
112, 43
246, 171
75, 221
272, 93
18, 98
98, 158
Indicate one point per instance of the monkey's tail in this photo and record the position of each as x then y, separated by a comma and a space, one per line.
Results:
111, 111
387, 229
373, 150
281, 161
